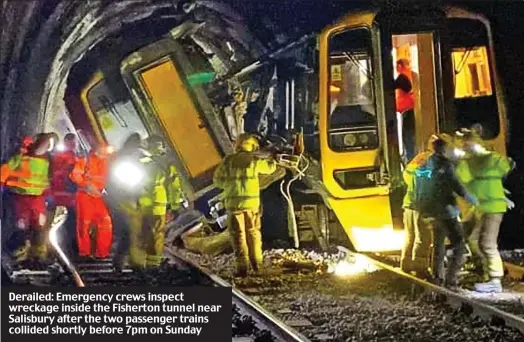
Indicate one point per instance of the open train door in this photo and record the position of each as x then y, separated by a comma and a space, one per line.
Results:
157, 77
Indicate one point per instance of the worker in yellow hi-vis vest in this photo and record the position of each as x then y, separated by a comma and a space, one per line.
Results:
238, 175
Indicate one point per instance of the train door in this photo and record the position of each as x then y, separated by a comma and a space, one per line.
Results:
415, 90
166, 86
180, 118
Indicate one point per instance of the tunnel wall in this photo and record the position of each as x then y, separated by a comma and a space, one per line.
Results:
40, 42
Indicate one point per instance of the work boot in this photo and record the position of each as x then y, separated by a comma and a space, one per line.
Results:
452, 284
422, 273
492, 286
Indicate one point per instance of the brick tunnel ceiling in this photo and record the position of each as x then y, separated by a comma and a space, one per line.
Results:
42, 40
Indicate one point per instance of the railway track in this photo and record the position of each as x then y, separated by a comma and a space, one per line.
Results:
250, 322
462, 300
379, 305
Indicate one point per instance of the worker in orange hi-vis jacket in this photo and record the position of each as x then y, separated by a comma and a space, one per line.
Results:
26, 175
90, 174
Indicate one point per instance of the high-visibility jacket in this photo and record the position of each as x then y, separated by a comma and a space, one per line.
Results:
25, 174
162, 186
62, 164
432, 183
90, 171
482, 175
238, 175
175, 194
154, 196
404, 94
409, 178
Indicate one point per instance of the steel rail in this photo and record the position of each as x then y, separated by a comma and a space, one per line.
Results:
282, 331
456, 299
59, 220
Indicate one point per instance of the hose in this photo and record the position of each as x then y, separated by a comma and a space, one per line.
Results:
287, 195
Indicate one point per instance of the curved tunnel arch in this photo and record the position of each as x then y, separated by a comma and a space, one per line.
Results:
41, 43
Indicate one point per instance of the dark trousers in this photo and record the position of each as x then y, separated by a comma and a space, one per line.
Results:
408, 133
452, 229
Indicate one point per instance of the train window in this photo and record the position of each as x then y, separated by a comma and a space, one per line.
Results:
352, 119
474, 93
472, 77
116, 119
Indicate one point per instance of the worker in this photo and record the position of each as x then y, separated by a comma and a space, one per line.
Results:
238, 175
416, 253
433, 196
123, 195
90, 175
175, 193
26, 176
405, 104
482, 172
159, 177
63, 190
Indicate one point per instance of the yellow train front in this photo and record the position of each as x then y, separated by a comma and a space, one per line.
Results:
335, 87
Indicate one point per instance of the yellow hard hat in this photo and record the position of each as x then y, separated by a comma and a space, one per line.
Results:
469, 135
442, 139
247, 142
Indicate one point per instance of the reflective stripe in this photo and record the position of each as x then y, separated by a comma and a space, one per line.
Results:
30, 177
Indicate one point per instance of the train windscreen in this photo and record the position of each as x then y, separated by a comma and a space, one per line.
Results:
117, 119
352, 119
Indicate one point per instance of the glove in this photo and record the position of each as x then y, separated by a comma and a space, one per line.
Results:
471, 199
509, 203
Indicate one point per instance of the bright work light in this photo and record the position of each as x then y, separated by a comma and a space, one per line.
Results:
128, 173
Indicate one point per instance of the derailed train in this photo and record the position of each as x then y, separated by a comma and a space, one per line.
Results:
333, 89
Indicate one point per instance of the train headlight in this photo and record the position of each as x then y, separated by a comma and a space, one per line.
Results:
128, 173
356, 139
350, 139
364, 138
